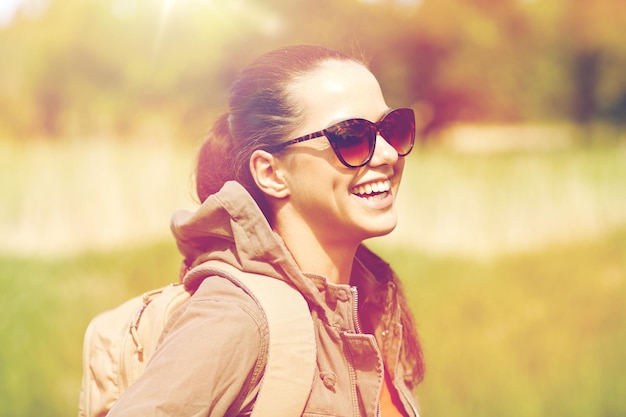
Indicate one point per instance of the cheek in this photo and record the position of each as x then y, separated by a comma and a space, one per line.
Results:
317, 174
398, 170
396, 180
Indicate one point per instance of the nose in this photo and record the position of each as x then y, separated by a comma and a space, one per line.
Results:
384, 153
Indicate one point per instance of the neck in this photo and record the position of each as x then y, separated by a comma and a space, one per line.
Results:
327, 257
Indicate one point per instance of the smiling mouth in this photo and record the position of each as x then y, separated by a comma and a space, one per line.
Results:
373, 190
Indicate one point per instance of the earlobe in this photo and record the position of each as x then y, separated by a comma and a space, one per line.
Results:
268, 174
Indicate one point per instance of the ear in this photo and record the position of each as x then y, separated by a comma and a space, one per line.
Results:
268, 173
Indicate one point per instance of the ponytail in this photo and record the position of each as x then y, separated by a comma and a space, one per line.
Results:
215, 165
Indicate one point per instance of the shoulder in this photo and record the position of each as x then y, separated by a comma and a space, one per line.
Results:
219, 303
221, 290
209, 359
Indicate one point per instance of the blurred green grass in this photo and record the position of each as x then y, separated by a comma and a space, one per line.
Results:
522, 335
46, 305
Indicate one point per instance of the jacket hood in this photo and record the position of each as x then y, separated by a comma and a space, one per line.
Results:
230, 227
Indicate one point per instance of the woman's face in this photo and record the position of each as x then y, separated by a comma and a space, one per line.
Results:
337, 202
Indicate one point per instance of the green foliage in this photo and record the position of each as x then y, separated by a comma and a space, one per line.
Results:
113, 66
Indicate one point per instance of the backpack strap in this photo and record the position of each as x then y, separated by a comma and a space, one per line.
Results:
289, 372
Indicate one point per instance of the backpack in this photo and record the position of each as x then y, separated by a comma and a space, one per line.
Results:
119, 342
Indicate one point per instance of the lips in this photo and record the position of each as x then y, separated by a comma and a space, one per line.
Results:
372, 189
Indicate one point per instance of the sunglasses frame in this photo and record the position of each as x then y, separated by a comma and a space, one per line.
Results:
330, 133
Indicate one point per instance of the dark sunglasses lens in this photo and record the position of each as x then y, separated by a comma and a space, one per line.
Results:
353, 141
399, 130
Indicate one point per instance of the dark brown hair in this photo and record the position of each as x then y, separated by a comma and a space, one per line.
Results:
261, 113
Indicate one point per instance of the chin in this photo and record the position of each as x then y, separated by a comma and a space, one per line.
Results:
381, 231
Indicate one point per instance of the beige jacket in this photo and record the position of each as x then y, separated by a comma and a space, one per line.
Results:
211, 355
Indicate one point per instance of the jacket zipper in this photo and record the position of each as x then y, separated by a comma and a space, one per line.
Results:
355, 310
357, 325
409, 401
355, 318
357, 328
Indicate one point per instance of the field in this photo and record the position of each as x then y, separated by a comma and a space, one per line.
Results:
514, 262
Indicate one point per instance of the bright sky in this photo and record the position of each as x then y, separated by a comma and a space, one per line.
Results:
7, 11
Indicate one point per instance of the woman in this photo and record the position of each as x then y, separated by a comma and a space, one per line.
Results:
303, 167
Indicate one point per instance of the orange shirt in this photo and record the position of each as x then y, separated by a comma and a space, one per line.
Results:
390, 405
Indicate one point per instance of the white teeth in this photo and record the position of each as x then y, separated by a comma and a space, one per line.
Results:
374, 187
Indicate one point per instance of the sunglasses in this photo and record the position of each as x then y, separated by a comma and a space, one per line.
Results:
353, 140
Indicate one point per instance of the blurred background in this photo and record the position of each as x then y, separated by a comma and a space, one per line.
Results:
512, 241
